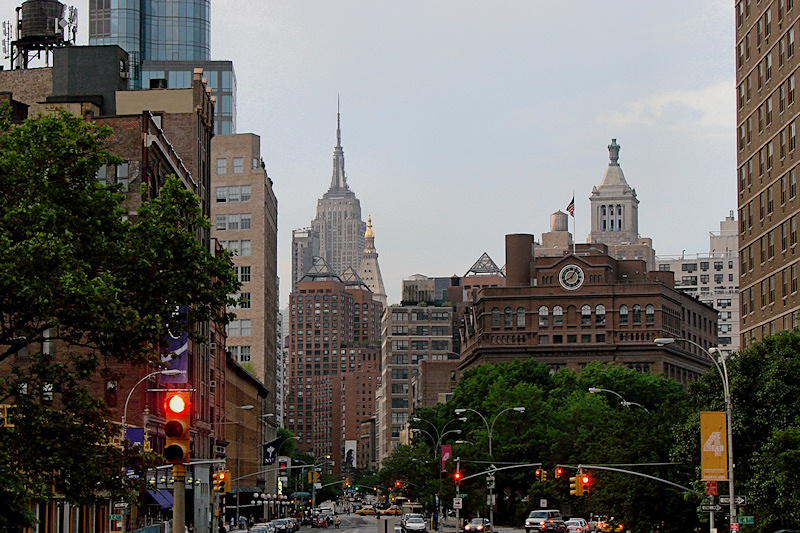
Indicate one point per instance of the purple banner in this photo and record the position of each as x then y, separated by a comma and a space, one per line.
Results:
175, 351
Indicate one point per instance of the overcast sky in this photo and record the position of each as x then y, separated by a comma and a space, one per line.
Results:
465, 121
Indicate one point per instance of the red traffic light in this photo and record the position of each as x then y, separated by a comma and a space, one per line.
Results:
222, 476
397, 483
177, 427
457, 475
559, 472
584, 479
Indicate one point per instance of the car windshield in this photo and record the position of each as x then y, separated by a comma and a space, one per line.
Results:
537, 514
476, 521
414, 519
573, 523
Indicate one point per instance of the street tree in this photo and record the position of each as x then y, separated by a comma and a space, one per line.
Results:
83, 287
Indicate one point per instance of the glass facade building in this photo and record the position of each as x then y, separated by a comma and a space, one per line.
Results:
165, 41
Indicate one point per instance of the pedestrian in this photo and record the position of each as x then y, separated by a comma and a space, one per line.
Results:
222, 526
336, 521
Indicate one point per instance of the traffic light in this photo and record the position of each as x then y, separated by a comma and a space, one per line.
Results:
282, 466
398, 483
559, 472
544, 475
220, 481
177, 428
538, 474
585, 480
457, 476
575, 486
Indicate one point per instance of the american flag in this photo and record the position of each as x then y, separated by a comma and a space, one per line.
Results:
571, 207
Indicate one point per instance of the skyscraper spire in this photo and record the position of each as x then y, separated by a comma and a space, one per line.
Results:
370, 271
339, 179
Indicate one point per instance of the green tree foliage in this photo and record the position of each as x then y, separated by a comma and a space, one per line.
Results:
94, 287
766, 428
563, 424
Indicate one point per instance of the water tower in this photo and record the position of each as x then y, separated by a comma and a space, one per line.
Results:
41, 26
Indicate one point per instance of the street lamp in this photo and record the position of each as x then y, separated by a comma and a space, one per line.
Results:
165, 372
623, 402
490, 429
726, 387
437, 449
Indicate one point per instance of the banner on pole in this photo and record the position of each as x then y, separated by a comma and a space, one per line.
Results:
713, 442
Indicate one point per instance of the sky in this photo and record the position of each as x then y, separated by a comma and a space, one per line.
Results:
466, 121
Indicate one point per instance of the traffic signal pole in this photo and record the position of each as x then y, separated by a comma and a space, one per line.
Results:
179, 498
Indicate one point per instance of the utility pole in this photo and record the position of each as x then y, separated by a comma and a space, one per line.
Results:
179, 498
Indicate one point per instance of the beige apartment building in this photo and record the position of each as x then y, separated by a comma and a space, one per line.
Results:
767, 62
244, 214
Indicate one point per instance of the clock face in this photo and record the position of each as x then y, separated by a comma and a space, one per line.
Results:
571, 277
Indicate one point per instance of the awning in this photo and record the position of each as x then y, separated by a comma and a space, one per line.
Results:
162, 497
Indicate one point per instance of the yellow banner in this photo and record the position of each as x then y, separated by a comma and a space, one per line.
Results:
713, 442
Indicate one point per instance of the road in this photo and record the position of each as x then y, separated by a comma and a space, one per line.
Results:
353, 523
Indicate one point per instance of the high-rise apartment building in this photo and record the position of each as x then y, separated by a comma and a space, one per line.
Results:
165, 41
334, 335
245, 215
767, 64
713, 278
338, 222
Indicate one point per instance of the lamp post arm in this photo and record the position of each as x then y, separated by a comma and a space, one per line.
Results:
128, 399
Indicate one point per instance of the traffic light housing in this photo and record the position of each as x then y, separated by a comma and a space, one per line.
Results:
398, 483
575, 485
559, 472
221, 480
457, 476
177, 427
585, 480
537, 474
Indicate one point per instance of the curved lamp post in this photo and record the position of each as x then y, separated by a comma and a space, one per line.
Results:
166, 372
622, 401
490, 429
726, 387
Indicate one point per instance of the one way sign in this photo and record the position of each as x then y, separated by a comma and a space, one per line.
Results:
711, 508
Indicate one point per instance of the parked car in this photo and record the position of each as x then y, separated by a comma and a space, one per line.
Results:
367, 510
577, 525
281, 525
479, 524
415, 524
545, 520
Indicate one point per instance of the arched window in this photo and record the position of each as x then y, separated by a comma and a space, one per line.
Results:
600, 315
650, 314
495, 317
558, 316
586, 315
543, 315
637, 314
623, 315
520, 317
508, 318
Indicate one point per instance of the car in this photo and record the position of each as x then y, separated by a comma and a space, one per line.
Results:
415, 524
479, 524
610, 525
391, 511
577, 525
367, 510
282, 525
545, 520
410, 515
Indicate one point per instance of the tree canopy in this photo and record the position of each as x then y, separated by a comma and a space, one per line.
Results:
82, 286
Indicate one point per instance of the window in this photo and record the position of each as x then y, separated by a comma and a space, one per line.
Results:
239, 328
520, 317
558, 316
508, 318
623, 315
238, 165
600, 315
222, 166
637, 314
242, 273
586, 315
543, 316
242, 248
242, 300
122, 175
650, 314
240, 353
234, 193
495, 317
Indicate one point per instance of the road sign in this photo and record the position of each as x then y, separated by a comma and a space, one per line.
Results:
457, 503
734, 527
711, 488
462, 495
711, 508
115, 517
738, 500
746, 519
121, 505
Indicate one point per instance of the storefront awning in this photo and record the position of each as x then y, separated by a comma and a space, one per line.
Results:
162, 498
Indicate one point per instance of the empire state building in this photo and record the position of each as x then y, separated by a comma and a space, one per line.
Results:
338, 223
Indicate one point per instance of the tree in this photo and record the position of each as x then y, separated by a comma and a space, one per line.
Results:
83, 287
766, 427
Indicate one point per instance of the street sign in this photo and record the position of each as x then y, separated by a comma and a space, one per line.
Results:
490, 484
457, 503
115, 517
746, 519
738, 500
543, 503
462, 495
734, 527
121, 505
712, 508
711, 488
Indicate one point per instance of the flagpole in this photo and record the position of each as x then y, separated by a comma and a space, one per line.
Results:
574, 223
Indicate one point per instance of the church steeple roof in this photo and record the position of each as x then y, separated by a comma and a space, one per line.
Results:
614, 176
339, 178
